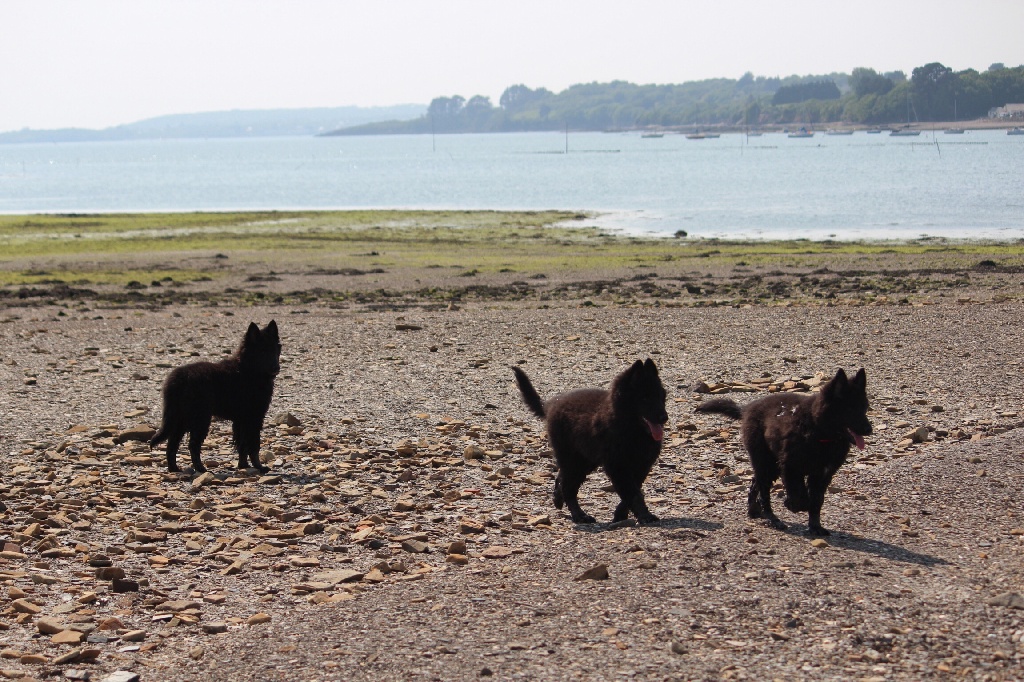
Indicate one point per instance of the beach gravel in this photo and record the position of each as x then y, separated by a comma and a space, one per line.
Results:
405, 530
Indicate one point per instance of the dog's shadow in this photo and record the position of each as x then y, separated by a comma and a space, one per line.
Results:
884, 550
879, 548
681, 523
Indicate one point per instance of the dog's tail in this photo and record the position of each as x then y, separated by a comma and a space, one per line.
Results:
159, 437
530, 396
721, 406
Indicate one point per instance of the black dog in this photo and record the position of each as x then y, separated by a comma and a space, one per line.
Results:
620, 429
805, 439
237, 388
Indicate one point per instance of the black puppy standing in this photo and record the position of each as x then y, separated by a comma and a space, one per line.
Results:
620, 429
804, 439
238, 388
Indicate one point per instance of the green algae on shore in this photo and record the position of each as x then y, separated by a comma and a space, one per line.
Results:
121, 248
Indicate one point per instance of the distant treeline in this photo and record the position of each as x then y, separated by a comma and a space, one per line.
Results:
932, 93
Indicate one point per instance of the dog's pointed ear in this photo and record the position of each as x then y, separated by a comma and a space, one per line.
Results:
271, 329
860, 380
651, 368
623, 383
252, 333
838, 385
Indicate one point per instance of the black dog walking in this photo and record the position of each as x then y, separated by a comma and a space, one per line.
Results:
620, 429
804, 439
238, 388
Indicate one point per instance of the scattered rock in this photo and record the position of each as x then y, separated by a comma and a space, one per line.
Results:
415, 546
918, 435
598, 572
140, 432
497, 552
286, 419
1011, 600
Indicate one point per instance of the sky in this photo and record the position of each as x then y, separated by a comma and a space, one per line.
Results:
99, 63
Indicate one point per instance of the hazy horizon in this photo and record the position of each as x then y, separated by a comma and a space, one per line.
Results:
111, 62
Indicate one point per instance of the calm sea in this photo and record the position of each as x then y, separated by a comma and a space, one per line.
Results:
842, 187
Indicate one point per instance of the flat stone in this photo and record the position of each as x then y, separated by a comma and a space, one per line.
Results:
497, 552
1011, 600
374, 576
139, 432
49, 626
176, 606
25, 606
342, 575
119, 585
121, 676
258, 618
110, 573
68, 637
110, 623
598, 572
415, 546
215, 628
467, 526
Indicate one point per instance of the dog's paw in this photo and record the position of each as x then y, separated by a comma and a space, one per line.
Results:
648, 520
263, 469
817, 531
777, 524
584, 518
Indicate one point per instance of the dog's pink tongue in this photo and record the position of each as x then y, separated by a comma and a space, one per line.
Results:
657, 430
858, 439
